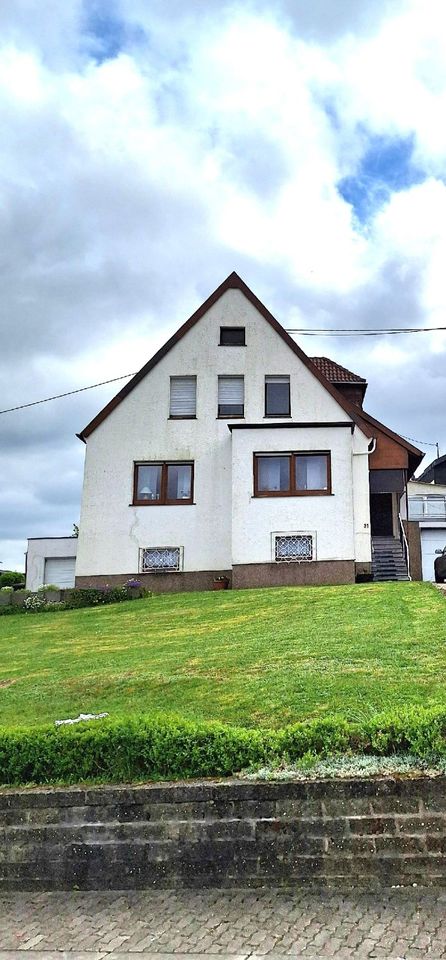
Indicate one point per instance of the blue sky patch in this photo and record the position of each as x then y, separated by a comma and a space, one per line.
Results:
107, 34
385, 168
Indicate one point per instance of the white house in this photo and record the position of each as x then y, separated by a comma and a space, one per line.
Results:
231, 453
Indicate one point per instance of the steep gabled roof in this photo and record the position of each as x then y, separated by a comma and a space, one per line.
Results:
234, 282
334, 372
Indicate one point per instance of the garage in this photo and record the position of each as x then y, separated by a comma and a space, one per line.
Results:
60, 571
432, 539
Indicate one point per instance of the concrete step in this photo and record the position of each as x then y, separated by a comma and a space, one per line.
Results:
388, 561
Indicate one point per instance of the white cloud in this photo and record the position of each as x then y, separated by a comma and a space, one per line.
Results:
213, 140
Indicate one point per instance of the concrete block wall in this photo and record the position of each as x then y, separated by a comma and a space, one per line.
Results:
366, 833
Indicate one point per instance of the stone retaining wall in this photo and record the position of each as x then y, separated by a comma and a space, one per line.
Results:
346, 832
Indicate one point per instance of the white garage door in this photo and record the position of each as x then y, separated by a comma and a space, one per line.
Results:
431, 540
60, 571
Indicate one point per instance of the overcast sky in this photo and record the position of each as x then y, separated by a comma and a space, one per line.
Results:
150, 147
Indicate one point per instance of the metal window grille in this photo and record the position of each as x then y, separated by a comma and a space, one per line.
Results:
160, 560
293, 548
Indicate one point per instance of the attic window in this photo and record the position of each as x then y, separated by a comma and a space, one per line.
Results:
232, 337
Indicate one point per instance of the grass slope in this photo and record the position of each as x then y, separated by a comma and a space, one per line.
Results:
254, 657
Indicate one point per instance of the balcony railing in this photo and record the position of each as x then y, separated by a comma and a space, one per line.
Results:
427, 508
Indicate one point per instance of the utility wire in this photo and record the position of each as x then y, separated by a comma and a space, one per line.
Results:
22, 406
425, 443
305, 332
124, 376
301, 330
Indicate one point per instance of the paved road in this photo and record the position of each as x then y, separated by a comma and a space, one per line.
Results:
405, 923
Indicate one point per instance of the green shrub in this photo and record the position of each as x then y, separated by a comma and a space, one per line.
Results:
12, 578
6, 589
45, 587
96, 596
153, 748
7, 611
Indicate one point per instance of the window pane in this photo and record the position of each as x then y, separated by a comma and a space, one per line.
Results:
232, 336
311, 472
273, 474
277, 403
179, 481
149, 482
231, 395
160, 558
183, 396
295, 547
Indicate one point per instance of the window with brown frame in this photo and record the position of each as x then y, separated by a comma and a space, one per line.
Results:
277, 397
292, 474
155, 484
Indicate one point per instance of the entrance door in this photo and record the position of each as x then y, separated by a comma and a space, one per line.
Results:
381, 516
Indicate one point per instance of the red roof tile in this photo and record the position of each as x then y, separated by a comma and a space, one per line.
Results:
334, 373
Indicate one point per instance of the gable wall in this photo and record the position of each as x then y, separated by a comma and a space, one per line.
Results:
111, 531
388, 454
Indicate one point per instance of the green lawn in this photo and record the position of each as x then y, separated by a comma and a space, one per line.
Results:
254, 657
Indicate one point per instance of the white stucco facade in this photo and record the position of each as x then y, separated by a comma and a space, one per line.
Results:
39, 555
226, 524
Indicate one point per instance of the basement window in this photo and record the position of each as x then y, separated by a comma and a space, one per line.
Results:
161, 560
293, 547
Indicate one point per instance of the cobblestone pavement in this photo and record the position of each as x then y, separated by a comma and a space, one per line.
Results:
404, 923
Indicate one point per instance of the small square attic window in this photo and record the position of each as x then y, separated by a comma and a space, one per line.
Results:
232, 337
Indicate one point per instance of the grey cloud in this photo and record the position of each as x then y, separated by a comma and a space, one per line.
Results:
257, 162
324, 21
51, 28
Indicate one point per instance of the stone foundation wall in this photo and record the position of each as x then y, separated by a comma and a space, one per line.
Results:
293, 574
353, 832
240, 577
159, 582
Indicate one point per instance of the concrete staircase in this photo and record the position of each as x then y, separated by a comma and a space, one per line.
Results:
388, 560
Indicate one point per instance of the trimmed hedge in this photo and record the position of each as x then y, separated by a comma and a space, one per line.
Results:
151, 748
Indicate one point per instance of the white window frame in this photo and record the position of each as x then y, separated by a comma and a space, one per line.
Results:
178, 568
293, 533
187, 386
231, 386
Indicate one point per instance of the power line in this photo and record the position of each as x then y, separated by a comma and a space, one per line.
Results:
69, 393
346, 332
425, 443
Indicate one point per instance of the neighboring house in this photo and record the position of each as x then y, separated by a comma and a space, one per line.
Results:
50, 560
232, 453
427, 507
